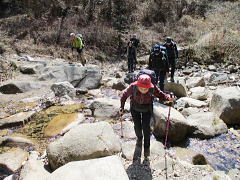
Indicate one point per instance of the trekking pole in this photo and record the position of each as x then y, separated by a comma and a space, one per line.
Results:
121, 126
166, 135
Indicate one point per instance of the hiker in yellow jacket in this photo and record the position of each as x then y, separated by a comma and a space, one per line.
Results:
77, 44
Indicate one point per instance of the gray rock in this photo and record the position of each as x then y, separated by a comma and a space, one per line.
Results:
107, 168
178, 130
86, 141
31, 68
125, 129
218, 78
212, 68
199, 93
186, 102
11, 161
15, 141
219, 175
226, 104
63, 88
106, 107
195, 81
119, 85
19, 87
178, 89
16, 119
78, 76
189, 111
34, 169
206, 125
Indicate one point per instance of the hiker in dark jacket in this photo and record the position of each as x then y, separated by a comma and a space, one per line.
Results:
132, 57
135, 41
141, 107
158, 62
172, 54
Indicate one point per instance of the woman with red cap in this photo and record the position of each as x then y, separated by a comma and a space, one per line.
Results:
141, 105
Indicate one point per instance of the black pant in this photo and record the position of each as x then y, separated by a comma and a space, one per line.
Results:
160, 76
131, 65
142, 123
172, 63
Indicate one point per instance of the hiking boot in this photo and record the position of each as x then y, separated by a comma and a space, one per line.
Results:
146, 152
172, 80
139, 142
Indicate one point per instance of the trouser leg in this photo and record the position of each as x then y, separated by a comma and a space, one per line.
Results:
172, 64
162, 78
157, 76
146, 128
136, 116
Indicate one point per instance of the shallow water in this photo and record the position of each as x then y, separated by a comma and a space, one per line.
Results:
222, 152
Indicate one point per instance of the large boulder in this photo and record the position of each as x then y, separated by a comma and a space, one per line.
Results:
226, 104
179, 88
86, 141
19, 87
78, 76
63, 88
178, 124
199, 93
106, 107
218, 77
206, 125
106, 168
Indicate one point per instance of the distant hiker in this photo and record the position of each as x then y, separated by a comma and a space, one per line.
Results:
135, 40
77, 44
141, 93
158, 62
172, 54
132, 57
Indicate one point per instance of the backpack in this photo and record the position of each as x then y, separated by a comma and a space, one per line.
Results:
81, 37
148, 72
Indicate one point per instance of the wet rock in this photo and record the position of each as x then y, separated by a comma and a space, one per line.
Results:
63, 88
225, 103
106, 168
195, 81
11, 161
178, 130
74, 145
62, 123
17, 119
15, 141
206, 125
199, 159
106, 107
186, 102
19, 87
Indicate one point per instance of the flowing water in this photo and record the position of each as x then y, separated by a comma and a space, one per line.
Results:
222, 152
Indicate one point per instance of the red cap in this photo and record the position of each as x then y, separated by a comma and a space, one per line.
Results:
144, 81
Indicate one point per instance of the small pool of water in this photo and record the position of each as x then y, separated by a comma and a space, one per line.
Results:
222, 152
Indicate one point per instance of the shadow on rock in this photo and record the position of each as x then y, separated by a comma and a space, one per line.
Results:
138, 170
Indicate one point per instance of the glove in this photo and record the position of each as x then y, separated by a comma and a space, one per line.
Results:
121, 111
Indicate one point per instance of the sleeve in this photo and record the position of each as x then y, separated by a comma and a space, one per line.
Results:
176, 50
150, 62
126, 93
166, 62
160, 94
